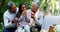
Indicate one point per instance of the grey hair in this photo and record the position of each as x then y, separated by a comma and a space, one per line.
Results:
10, 4
36, 3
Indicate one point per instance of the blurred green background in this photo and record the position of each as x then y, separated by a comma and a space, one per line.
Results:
46, 6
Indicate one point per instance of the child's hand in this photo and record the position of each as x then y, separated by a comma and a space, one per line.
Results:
24, 12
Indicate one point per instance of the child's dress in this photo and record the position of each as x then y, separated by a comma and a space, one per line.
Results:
23, 23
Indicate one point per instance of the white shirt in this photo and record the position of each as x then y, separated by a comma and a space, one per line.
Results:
38, 16
8, 17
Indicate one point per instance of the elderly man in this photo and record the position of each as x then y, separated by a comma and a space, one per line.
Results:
36, 15
9, 16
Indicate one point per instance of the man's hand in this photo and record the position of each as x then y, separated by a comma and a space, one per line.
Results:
32, 15
15, 20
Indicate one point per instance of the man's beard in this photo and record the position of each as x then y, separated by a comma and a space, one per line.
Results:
13, 11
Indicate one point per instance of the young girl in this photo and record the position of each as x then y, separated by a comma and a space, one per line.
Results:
23, 21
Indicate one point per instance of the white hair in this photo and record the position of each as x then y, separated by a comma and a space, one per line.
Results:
10, 4
37, 4
35, 0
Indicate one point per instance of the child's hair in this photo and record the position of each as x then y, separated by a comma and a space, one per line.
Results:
20, 11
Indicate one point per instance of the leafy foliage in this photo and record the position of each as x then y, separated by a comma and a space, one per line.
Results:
1, 27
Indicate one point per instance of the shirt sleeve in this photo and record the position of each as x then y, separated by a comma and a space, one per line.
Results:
39, 20
8, 24
6, 21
